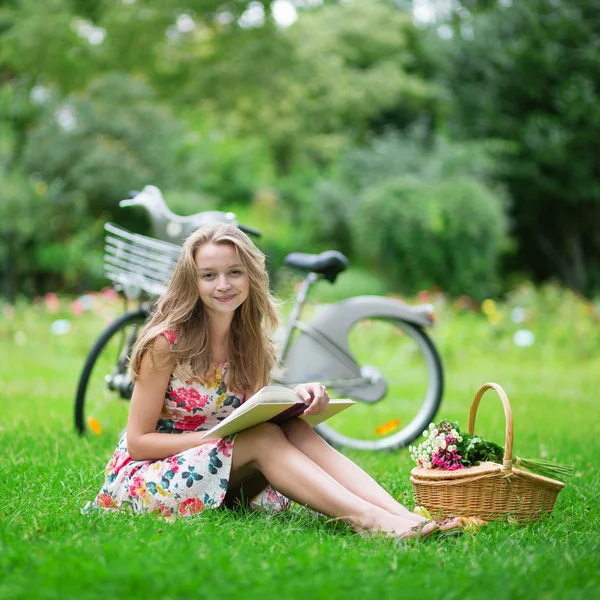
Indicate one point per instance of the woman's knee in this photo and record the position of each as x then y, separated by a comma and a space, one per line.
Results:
253, 444
265, 433
297, 430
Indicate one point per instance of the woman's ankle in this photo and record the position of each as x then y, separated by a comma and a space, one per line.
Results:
370, 519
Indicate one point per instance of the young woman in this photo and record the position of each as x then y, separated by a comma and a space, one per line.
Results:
205, 350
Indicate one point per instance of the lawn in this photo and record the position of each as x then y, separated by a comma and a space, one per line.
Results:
48, 549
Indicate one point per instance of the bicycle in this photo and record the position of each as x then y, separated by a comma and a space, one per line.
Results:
372, 349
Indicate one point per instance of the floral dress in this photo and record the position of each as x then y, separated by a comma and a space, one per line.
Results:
188, 482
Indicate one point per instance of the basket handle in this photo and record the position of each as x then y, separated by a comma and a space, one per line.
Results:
507, 462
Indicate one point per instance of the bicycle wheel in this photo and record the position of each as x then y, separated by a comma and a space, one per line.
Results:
401, 390
104, 382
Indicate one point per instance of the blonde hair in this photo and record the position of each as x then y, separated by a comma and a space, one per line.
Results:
250, 351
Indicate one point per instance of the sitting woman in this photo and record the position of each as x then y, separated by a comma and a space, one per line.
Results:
207, 348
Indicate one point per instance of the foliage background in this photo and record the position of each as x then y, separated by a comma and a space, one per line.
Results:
475, 121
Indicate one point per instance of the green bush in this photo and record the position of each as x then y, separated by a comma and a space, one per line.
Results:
420, 234
330, 216
529, 73
49, 243
411, 156
110, 138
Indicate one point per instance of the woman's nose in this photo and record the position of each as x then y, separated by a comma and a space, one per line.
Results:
223, 282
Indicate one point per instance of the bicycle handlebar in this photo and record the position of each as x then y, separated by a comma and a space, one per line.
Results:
174, 228
250, 230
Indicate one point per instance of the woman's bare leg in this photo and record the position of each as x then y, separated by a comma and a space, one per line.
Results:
342, 469
266, 449
346, 472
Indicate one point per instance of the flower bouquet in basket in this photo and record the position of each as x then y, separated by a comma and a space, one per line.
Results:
461, 474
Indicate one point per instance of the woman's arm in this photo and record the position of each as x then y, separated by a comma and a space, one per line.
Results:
143, 442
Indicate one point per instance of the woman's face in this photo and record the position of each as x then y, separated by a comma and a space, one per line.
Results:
222, 281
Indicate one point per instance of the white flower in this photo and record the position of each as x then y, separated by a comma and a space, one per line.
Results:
517, 314
523, 337
459, 438
426, 433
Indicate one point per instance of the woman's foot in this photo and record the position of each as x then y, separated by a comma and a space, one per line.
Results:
381, 521
450, 524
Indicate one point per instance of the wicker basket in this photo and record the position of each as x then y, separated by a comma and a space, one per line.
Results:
488, 490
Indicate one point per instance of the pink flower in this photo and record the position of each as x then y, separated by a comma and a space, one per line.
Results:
190, 398
273, 496
77, 308
165, 511
190, 507
190, 423
110, 294
136, 484
119, 460
106, 500
171, 336
52, 302
224, 447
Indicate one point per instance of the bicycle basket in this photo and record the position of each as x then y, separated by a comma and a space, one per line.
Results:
135, 260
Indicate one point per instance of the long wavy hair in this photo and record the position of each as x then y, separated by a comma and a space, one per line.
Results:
250, 351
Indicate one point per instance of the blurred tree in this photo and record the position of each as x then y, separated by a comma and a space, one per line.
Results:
307, 90
105, 140
420, 211
47, 239
422, 234
310, 90
529, 72
85, 86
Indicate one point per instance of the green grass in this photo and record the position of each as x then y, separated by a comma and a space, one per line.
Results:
49, 550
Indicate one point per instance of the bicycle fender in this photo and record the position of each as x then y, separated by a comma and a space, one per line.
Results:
309, 360
361, 307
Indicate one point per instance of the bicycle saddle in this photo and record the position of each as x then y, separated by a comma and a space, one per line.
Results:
329, 264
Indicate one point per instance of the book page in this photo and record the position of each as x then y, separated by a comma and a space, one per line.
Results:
262, 412
270, 394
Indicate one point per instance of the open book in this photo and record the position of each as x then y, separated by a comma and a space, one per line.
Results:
274, 403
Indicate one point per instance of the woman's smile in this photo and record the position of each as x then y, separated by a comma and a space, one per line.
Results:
222, 280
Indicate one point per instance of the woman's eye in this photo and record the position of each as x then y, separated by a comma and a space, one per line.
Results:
236, 272
208, 276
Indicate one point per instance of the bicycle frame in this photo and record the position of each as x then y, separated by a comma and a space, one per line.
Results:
333, 349
321, 351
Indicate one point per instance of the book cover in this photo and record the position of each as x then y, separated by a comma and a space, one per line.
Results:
273, 403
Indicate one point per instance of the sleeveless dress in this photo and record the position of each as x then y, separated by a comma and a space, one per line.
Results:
193, 480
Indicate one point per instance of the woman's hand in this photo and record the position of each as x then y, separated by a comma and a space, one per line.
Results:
315, 395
